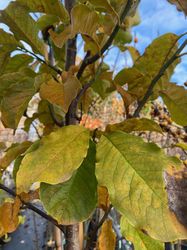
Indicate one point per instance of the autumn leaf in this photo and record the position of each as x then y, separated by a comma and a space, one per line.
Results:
52, 161
107, 237
140, 240
77, 196
103, 198
125, 166
175, 98
9, 216
12, 152
22, 25
135, 124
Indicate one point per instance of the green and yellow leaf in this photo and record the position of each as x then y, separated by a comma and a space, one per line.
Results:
132, 171
56, 159
140, 240
175, 98
74, 200
135, 124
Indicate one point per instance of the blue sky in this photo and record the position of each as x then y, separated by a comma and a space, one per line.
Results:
158, 17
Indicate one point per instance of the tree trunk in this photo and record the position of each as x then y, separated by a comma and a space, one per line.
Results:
72, 231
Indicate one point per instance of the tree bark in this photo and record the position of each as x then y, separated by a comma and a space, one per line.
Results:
72, 231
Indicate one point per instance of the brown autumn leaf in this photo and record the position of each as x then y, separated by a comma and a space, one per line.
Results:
107, 238
28, 197
52, 91
59, 93
9, 216
103, 198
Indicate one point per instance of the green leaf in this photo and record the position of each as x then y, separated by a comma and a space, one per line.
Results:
4, 57
12, 152
104, 4
15, 101
17, 63
52, 7
46, 21
132, 171
147, 66
140, 240
135, 124
9, 79
8, 39
22, 25
73, 201
57, 157
175, 98
181, 145
103, 83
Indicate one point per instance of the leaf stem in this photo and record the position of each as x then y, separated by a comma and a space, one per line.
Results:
32, 207
58, 71
157, 78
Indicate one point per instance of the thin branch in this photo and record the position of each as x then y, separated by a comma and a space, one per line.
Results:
95, 230
32, 207
157, 78
58, 71
73, 107
89, 60
183, 54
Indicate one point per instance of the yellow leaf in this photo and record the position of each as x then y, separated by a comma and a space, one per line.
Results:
135, 124
103, 198
107, 238
71, 89
52, 91
9, 216
55, 159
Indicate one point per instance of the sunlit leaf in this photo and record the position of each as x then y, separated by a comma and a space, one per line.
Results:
52, 162
52, 7
140, 240
73, 201
22, 25
135, 124
175, 98
132, 171
147, 66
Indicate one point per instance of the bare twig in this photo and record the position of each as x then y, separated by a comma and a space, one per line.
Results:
157, 78
32, 207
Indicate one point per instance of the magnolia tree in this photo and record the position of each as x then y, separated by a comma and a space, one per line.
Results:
77, 173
